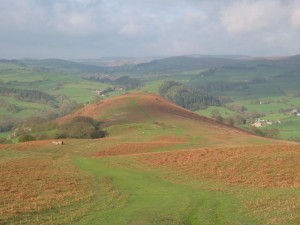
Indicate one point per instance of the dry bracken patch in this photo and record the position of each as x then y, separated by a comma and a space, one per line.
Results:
30, 186
133, 148
286, 208
265, 166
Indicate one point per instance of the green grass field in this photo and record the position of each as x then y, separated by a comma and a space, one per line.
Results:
250, 80
146, 197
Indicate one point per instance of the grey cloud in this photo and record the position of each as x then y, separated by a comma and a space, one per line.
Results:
95, 28
295, 18
252, 16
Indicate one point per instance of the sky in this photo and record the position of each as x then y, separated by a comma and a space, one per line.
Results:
87, 29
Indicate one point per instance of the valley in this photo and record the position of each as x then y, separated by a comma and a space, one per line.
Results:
154, 162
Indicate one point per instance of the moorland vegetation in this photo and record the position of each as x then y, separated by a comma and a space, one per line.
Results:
160, 164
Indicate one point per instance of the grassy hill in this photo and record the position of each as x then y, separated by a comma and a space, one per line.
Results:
160, 164
150, 115
245, 81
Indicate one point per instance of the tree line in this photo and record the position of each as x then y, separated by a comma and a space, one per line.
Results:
26, 95
123, 82
42, 128
187, 97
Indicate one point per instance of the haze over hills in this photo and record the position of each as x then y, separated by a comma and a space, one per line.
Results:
53, 64
116, 61
150, 112
180, 63
129, 156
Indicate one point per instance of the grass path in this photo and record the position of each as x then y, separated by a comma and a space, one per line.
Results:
128, 193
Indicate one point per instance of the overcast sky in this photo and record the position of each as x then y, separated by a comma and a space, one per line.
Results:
73, 29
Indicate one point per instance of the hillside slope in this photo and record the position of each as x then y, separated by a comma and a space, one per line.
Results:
139, 107
160, 164
151, 117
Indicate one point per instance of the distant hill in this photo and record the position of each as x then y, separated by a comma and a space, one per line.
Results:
54, 64
115, 61
181, 63
292, 62
196, 62
61, 64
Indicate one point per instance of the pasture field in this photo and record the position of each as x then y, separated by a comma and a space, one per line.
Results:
117, 182
152, 87
242, 81
62, 85
160, 164
222, 110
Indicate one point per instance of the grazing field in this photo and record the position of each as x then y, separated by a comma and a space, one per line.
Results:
266, 88
63, 84
160, 164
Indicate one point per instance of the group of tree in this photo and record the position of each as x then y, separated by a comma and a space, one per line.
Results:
187, 97
9, 107
238, 108
81, 127
124, 82
265, 132
6, 125
232, 120
240, 120
27, 95
218, 86
42, 128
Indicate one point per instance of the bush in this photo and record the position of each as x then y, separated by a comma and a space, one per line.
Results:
296, 139
26, 137
81, 127
6, 126
4, 141
216, 115
270, 133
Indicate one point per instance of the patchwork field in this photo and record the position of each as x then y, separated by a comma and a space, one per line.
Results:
160, 164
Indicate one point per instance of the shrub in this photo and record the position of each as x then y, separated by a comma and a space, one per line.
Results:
26, 137
4, 141
81, 127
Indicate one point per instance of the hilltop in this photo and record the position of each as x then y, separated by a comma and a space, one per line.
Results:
139, 107
150, 116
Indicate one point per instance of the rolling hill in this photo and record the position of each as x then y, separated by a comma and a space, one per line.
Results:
181, 63
61, 64
149, 116
197, 62
136, 107
160, 164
